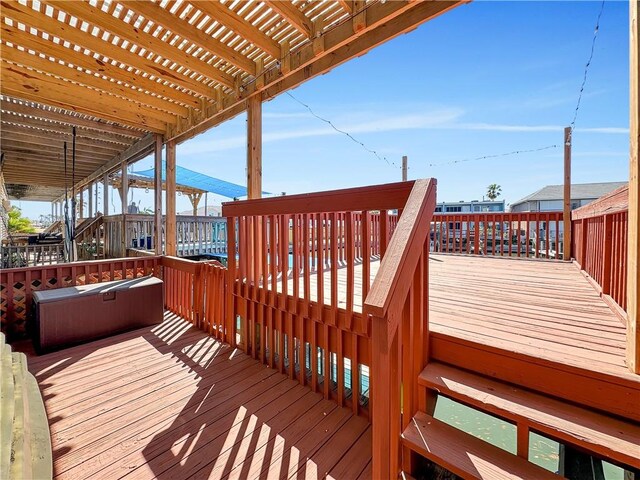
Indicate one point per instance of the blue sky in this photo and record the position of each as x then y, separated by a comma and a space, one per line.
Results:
486, 78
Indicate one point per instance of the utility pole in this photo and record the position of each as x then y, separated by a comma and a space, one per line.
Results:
404, 168
566, 251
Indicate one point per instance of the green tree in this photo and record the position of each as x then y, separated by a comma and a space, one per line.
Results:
493, 191
19, 224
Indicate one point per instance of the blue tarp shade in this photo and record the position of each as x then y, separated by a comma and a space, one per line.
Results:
189, 178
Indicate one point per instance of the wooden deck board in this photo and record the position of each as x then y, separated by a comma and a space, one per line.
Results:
171, 402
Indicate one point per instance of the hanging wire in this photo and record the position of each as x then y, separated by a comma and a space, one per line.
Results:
343, 132
485, 157
586, 67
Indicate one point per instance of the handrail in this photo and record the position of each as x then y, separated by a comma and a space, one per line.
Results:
393, 279
398, 303
377, 197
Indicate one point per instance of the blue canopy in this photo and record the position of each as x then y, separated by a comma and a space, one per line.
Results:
189, 178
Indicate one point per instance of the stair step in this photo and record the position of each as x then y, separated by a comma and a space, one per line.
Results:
466, 455
603, 435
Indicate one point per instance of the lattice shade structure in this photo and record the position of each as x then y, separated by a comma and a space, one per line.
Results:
121, 71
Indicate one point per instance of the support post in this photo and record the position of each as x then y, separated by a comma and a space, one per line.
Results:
81, 197
254, 147
170, 228
566, 223
404, 168
105, 194
157, 195
633, 264
90, 190
124, 195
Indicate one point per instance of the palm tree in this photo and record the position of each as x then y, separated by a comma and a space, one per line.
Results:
493, 191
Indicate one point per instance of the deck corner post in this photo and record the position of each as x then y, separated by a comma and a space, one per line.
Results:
230, 334
157, 195
254, 147
124, 194
381, 384
633, 254
566, 219
170, 228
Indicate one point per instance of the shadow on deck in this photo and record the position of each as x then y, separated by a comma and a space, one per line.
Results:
171, 402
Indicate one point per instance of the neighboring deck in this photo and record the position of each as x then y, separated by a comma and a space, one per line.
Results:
171, 402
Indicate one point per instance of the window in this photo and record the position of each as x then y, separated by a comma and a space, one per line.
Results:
454, 209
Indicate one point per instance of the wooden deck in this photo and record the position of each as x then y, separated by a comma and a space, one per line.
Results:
170, 402
535, 323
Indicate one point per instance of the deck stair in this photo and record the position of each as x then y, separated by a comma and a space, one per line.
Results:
606, 437
25, 450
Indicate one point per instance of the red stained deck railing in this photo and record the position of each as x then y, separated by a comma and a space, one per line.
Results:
301, 269
528, 235
599, 245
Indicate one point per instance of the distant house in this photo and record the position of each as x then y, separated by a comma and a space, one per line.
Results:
551, 197
474, 206
212, 211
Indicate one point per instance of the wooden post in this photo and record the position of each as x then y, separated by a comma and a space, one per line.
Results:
404, 168
124, 195
633, 264
105, 194
566, 251
170, 228
254, 147
206, 201
157, 195
90, 189
81, 203
95, 210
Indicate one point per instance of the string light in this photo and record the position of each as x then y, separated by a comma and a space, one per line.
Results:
347, 134
485, 157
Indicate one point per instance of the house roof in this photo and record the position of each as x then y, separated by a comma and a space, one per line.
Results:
578, 191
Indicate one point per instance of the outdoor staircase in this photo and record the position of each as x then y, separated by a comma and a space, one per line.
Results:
585, 430
25, 449
90, 232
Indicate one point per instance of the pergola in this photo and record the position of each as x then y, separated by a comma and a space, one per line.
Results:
132, 76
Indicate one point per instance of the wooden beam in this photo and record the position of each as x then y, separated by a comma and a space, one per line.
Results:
105, 68
157, 195
35, 127
43, 23
31, 85
33, 140
135, 152
90, 190
293, 15
24, 147
347, 5
254, 148
384, 21
126, 31
170, 227
124, 198
227, 17
71, 74
126, 135
566, 224
633, 257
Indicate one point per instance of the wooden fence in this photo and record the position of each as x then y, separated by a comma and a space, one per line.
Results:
15, 256
600, 245
531, 234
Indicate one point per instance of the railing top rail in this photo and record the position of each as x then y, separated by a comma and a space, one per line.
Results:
182, 264
497, 214
613, 202
395, 275
87, 263
378, 197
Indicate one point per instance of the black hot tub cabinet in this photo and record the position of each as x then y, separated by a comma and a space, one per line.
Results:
72, 315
